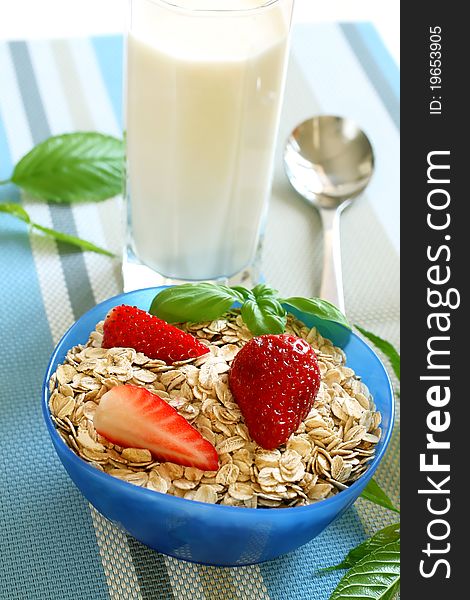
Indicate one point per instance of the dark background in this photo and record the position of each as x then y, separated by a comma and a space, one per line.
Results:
422, 133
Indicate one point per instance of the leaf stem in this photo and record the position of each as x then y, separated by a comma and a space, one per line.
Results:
17, 211
71, 239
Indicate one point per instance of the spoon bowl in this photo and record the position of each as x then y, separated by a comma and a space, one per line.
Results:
329, 161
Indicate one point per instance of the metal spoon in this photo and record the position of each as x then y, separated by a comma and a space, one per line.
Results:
329, 161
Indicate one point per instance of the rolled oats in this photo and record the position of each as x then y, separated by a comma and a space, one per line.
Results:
329, 451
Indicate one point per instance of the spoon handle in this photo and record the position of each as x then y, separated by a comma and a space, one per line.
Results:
331, 288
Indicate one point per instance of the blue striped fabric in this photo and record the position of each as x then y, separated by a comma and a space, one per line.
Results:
37, 502
53, 546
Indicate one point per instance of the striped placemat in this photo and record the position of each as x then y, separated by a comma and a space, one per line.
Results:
53, 544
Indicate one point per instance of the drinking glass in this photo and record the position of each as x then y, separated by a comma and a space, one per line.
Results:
205, 81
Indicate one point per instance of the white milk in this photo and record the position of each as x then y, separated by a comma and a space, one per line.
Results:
203, 105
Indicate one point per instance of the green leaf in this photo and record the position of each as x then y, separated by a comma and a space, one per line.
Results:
318, 307
73, 167
243, 292
263, 290
374, 493
385, 347
15, 210
262, 311
264, 314
383, 537
193, 302
374, 577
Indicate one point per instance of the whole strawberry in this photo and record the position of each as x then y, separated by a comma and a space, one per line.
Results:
129, 327
275, 380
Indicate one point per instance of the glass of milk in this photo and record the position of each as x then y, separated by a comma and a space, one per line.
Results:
205, 82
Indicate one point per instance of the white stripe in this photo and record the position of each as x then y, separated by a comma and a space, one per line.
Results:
103, 272
99, 103
184, 579
117, 563
110, 220
46, 259
249, 583
113, 546
343, 88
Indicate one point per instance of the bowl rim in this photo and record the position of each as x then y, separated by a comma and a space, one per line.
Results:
340, 498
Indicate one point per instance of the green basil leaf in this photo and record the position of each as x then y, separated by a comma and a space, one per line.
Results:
243, 292
264, 315
374, 577
73, 167
318, 307
265, 291
374, 493
15, 210
383, 537
193, 302
385, 347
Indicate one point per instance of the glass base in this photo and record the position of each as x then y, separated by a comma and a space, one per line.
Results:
136, 275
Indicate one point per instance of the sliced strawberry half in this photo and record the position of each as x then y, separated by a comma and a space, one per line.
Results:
133, 417
130, 327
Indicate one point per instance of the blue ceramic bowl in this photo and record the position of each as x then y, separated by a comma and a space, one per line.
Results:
207, 533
